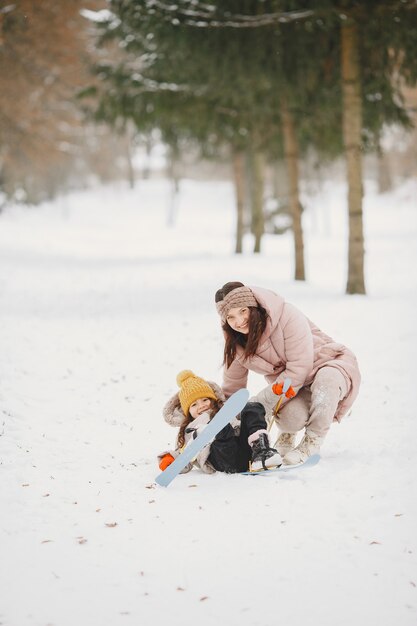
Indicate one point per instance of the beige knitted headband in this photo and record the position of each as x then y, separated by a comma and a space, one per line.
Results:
239, 297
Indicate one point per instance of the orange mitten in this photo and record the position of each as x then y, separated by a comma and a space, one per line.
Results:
278, 387
166, 460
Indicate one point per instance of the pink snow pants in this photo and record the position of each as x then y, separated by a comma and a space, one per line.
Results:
314, 407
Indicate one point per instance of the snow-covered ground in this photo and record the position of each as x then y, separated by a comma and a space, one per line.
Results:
101, 304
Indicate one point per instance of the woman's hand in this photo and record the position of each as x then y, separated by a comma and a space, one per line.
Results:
278, 389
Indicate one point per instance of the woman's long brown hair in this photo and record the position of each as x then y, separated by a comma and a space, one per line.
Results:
257, 324
215, 406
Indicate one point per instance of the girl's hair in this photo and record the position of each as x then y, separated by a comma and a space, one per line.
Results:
257, 324
215, 406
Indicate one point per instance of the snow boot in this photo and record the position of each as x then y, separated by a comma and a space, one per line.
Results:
263, 456
285, 443
309, 445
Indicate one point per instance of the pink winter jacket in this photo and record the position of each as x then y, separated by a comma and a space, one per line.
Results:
292, 347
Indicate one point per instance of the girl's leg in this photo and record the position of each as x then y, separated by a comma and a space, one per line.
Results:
230, 453
252, 419
224, 451
254, 446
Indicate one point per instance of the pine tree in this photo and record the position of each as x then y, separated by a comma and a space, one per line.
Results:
268, 77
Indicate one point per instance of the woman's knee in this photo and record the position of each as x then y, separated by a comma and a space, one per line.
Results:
294, 415
328, 383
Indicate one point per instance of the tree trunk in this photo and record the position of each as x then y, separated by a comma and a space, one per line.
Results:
257, 199
291, 160
239, 179
129, 162
146, 174
174, 176
352, 128
384, 172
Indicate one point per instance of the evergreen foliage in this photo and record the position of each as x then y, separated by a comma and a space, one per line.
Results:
215, 72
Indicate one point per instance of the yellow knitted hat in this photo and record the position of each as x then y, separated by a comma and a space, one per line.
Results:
191, 389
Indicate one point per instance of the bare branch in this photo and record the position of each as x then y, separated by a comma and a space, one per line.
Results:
208, 16
205, 18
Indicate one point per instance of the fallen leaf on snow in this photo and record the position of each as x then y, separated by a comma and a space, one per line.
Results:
180, 589
45, 495
25, 485
111, 524
375, 543
152, 486
192, 486
47, 541
81, 540
203, 598
151, 501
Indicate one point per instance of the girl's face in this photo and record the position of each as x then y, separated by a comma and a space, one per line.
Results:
238, 319
200, 406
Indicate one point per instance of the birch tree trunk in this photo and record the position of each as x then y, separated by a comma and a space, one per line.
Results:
352, 128
239, 180
291, 160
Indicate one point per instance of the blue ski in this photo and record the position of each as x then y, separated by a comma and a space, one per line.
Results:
229, 410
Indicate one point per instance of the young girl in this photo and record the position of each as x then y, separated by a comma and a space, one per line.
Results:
242, 443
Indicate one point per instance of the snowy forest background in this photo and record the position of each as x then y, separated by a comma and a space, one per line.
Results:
150, 152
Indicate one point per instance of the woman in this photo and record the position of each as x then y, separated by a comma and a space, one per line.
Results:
267, 335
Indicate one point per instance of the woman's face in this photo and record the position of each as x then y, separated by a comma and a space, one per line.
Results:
200, 406
238, 319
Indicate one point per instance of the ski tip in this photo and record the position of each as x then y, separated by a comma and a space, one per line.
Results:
242, 394
161, 480
313, 460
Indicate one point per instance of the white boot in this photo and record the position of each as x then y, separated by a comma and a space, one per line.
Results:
263, 456
285, 443
309, 445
